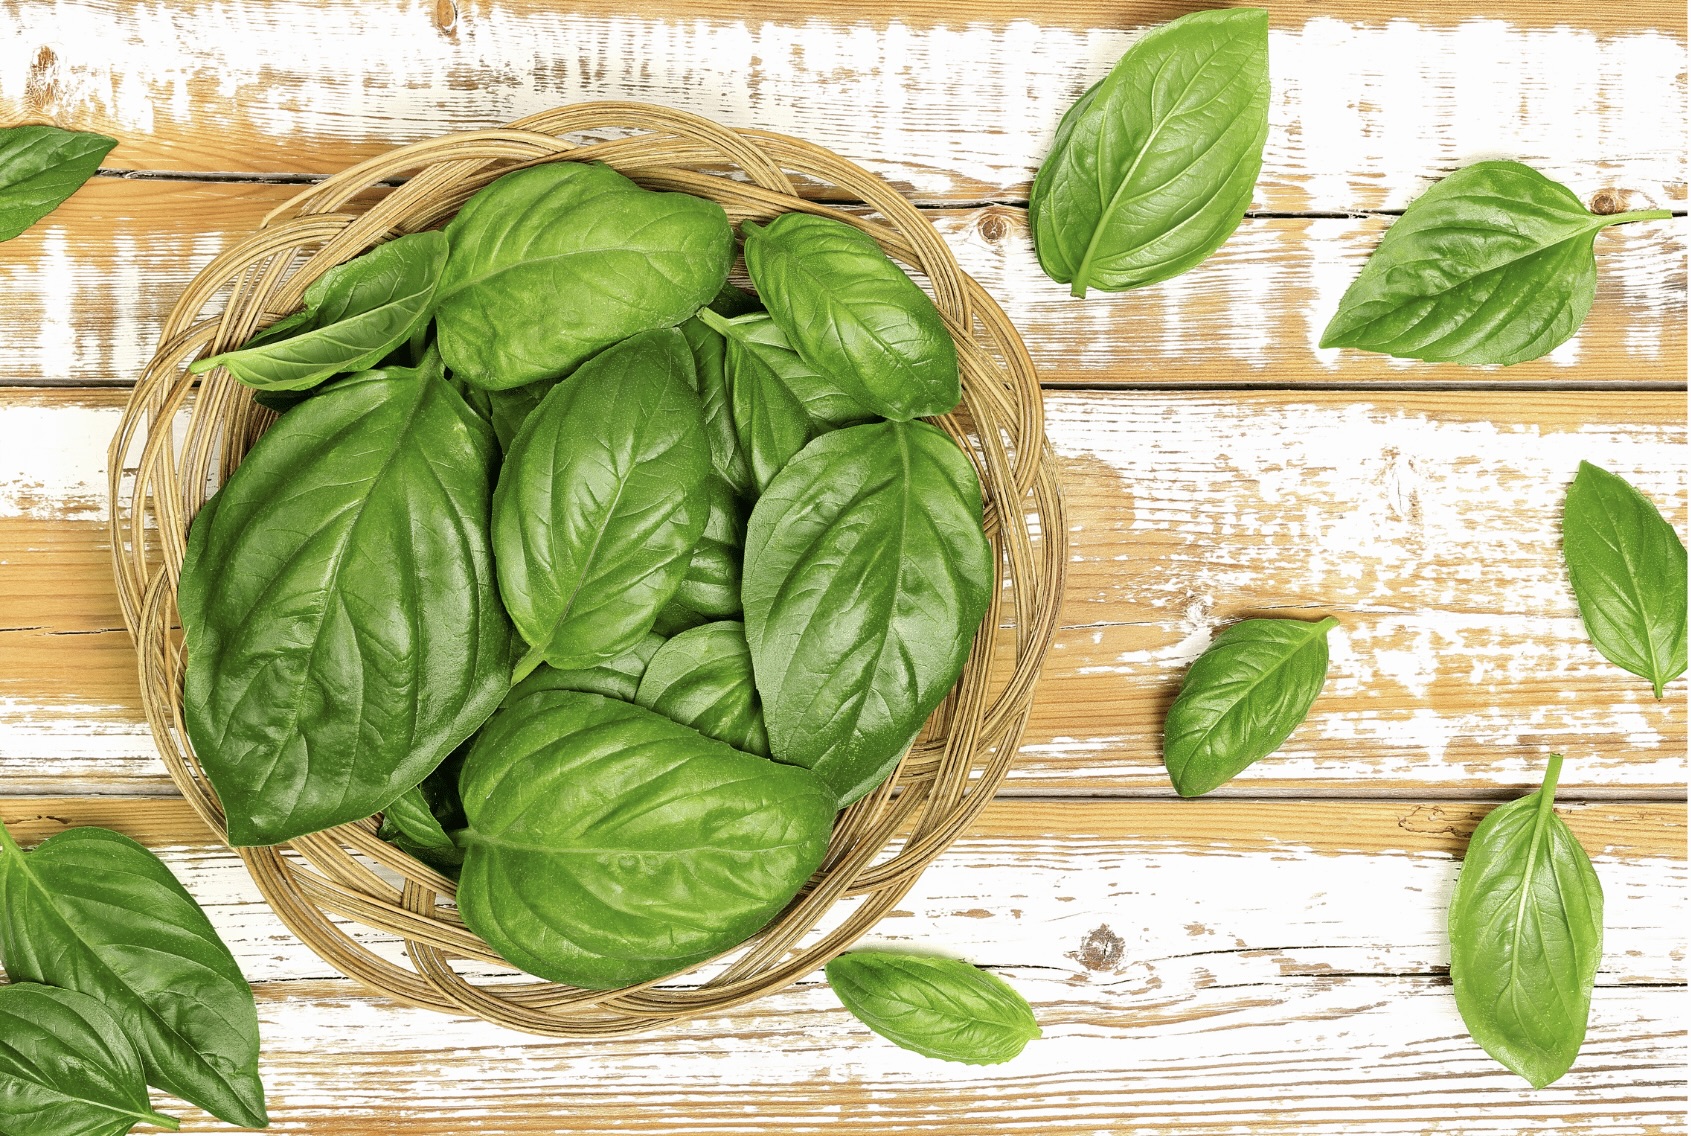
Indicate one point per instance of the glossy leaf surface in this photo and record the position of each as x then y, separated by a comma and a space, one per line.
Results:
614, 678
938, 1007
711, 588
710, 380
40, 166
703, 678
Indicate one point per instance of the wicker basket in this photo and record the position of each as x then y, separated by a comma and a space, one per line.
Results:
180, 437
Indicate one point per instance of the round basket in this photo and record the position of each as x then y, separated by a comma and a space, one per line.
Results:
346, 893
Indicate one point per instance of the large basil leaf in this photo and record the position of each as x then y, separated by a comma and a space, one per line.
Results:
600, 503
551, 264
853, 315
1494, 264
1526, 936
343, 629
66, 1068
609, 845
703, 678
615, 678
1242, 698
867, 575
938, 1007
93, 911
710, 379
711, 588
1628, 567
1153, 168
355, 314
40, 166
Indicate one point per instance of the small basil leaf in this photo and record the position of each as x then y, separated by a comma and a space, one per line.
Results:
40, 166
853, 315
608, 845
938, 1007
703, 678
601, 502
1628, 568
1242, 699
710, 380
614, 678
734, 301
867, 575
553, 263
355, 314
1526, 936
711, 588
509, 408
410, 823
1494, 264
1153, 168
93, 911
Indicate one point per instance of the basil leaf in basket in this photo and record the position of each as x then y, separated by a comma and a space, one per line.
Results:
66, 1067
413, 822
1242, 698
1526, 936
1153, 168
710, 380
608, 845
867, 575
615, 678
1627, 565
338, 648
938, 1007
355, 314
553, 263
703, 678
1494, 264
601, 502
40, 166
853, 315
711, 588
93, 911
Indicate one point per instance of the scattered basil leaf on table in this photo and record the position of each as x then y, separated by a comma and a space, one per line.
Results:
601, 502
614, 678
40, 166
710, 380
551, 264
93, 911
703, 678
938, 1007
1494, 264
1628, 566
1154, 167
608, 845
853, 315
867, 576
1526, 936
67, 1068
1242, 698
338, 649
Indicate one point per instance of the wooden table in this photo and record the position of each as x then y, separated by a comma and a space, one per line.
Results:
1270, 958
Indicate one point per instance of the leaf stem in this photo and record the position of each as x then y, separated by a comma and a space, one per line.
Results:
715, 322
1547, 790
160, 1120
1636, 215
526, 665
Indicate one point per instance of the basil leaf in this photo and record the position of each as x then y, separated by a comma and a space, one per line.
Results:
1494, 264
938, 1007
1242, 698
93, 911
553, 263
711, 588
710, 380
608, 845
703, 678
601, 502
412, 824
867, 575
508, 409
1526, 936
1628, 568
1154, 167
338, 649
853, 315
355, 314
734, 301
615, 678
40, 166
66, 1068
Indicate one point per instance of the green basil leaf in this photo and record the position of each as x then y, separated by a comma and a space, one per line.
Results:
1242, 698
411, 823
733, 301
1494, 264
1628, 569
40, 166
553, 263
711, 588
601, 502
66, 1068
710, 380
1526, 936
867, 575
853, 315
338, 649
938, 1007
608, 845
703, 678
93, 911
355, 314
509, 408
1154, 167
614, 678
